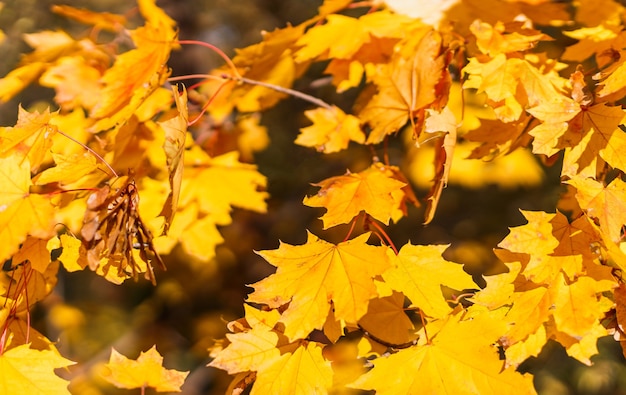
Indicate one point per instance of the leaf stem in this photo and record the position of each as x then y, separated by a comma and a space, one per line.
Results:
385, 343
424, 326
94, 153
382, 232
352, 225
216, 50
281, 89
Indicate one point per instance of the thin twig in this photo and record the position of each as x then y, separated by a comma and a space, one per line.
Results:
277, 88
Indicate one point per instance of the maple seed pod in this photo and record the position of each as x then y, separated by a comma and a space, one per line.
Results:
112, 229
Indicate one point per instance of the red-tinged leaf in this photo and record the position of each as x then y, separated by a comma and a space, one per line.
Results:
375, 190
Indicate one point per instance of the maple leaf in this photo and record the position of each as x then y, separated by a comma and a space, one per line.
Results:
34, 251
374, 190
580, 305
134, 76
537, 240
492, 40
303, 372
18, 79
70, 252
282, 367
218, 184
331, 131
387, 320
174, 147
31, 137
406, 85
607, 204
349, 34
146, 371
452, 352
249, 350
100, 20
68, 169
310, 276
420, 271
24, 370
443, 121
76, 81
272, 62
21, 212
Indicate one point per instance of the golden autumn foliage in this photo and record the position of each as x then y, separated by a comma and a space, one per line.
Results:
114, 176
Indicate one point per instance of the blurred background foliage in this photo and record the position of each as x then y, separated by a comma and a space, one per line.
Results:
192, 301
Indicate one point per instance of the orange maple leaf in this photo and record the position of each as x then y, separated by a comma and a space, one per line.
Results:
310, 276
331, 131
375, 190
146, 371
407, 85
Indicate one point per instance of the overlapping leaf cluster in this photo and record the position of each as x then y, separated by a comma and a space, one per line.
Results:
357, 299
98, 181
361, 313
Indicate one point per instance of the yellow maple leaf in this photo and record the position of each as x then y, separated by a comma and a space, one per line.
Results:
535, 237
420, 271
331, 131
18, 79
580, 305
174, 147
270, 61
452, 352
76, 81
218, 184
310, 276
303, 372
27, 371
437, 122
31, 137
71, 252
349, 34
606, 203
68, 169
21, 212
374, 190
492, 40
146, 371
250, 350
